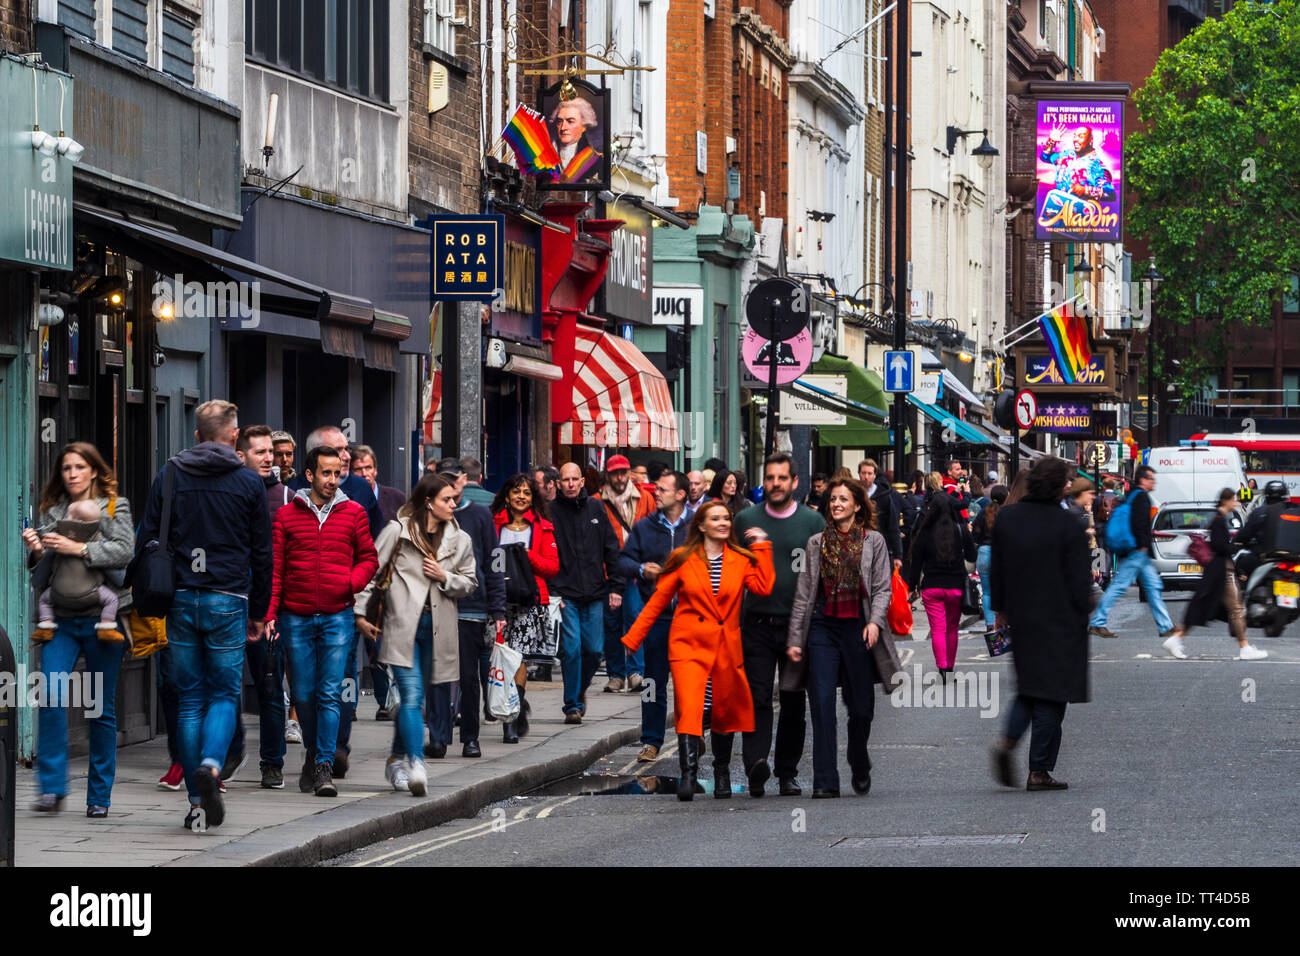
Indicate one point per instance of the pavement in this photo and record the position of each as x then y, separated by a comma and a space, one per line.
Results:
286, 827
1172, 763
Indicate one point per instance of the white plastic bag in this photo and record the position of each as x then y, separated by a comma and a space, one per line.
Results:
502, 694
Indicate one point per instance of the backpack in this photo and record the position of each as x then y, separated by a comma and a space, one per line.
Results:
1119, 530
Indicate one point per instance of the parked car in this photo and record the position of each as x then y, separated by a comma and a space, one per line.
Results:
1170, 534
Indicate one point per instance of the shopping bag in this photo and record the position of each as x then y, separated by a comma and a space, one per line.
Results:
998, 641
899, 614
502, 694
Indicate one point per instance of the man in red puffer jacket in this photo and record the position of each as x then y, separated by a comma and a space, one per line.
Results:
323, 556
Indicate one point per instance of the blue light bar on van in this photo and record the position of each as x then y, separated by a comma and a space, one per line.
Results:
1193, 443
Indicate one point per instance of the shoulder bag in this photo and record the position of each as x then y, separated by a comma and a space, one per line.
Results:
379, 595
521, 585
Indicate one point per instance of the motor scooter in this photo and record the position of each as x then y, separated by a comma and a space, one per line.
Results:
1272, 591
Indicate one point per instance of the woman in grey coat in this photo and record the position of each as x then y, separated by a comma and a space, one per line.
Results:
838, 623
432, 566
81, 474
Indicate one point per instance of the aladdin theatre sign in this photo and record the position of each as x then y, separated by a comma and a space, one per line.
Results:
1038, 372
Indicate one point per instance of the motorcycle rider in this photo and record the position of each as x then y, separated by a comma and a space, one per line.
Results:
1260, 526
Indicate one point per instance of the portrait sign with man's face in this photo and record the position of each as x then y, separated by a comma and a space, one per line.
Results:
578, 131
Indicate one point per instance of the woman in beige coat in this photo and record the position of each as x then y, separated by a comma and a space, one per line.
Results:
432, 566
838, 624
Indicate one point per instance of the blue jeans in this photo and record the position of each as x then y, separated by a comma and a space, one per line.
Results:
318, 646
837, 655
206, 632
983, 561
582, 638
73, 637
1132, 566
408, 729
632, 604
654, 712
443, 698
270, 711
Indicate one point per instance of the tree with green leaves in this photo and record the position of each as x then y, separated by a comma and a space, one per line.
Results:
1217, 176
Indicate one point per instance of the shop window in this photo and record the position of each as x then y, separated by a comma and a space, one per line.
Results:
346, 47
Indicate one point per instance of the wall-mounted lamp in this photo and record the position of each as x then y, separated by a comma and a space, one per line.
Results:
984, 153
268, 142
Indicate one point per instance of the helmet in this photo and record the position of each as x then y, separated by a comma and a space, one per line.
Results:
1276, 491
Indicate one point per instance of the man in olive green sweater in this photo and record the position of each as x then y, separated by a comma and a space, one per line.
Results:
765, 622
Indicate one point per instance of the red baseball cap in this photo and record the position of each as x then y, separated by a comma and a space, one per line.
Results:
618, 463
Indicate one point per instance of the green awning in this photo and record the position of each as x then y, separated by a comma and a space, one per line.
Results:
965, 431
866, 411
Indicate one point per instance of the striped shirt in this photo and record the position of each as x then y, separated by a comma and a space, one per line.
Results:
715, 571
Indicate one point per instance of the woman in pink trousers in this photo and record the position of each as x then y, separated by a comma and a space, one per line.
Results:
940, 549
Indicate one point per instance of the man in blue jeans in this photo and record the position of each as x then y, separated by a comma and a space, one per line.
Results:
1135, 564
646, 550
220, 541
588, 581
323, 556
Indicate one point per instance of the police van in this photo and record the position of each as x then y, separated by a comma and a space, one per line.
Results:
1195, 472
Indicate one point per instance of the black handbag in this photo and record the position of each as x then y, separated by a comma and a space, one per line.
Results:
521, 585
152, 573
972, 597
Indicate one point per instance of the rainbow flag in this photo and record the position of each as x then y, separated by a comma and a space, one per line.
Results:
529, 138
580, 166
1067, 337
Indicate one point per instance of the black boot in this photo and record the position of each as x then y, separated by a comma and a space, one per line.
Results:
688, 755
722, 765
509, 732
521, 722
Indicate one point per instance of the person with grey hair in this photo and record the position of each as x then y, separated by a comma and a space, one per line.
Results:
473, 489
572, 121
354, 486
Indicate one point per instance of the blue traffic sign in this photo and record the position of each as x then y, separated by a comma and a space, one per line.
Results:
899, 370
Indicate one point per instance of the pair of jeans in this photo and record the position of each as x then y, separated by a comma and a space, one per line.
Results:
96, 690
270, 708
206, 631
943, 608
408, 729
1134, 565
632, 604
654, 697
442, 697
318, 646
170, 701
1045, 738
983, 562
582, 640
838, 656
763, 639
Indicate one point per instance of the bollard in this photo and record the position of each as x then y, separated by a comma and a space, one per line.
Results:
8, 749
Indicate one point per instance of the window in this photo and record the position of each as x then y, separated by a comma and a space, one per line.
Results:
177, 54
341, 43
1291, 297
440, 22
78, 16
130, 28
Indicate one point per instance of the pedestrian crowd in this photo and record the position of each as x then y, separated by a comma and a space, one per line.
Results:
758, 611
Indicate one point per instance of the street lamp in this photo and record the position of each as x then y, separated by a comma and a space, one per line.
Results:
1152, 278
984, 153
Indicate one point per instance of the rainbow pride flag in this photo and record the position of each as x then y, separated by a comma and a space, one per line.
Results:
529, 138
1067, 337
580, 166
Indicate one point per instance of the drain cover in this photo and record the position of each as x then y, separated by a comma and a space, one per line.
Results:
957, 839
904, 746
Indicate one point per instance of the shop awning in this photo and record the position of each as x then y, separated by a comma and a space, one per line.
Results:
620, 400
866, 410
330, 306
965, 431
1004, 447
951, 382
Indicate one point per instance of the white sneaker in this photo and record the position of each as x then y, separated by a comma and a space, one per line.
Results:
1251, 653
395, 773
1174, 646
419, 780
292, 732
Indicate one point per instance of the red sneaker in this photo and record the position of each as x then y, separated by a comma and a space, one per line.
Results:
172, 779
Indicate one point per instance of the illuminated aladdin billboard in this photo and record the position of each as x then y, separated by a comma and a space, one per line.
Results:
1080, 147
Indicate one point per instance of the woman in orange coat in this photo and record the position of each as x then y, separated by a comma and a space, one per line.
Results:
708, 576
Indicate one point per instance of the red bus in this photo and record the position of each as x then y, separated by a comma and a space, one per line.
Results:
1265, 457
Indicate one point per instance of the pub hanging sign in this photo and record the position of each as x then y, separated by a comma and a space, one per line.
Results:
467, 257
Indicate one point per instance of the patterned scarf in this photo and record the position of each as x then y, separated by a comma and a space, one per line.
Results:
841, 570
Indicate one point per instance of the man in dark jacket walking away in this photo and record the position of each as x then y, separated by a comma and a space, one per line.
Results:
645, 552
588, 579
1136, 563
324, 555
220, 539
1041, 577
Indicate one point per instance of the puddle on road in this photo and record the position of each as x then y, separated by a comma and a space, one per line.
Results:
619, 784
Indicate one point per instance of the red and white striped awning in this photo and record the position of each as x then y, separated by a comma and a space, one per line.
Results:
620, 400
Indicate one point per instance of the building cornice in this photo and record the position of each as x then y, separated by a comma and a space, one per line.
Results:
821, 87
768, 38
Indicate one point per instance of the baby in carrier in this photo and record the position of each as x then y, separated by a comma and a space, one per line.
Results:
76, 589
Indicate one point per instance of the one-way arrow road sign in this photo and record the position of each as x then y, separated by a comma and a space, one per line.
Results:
899, 371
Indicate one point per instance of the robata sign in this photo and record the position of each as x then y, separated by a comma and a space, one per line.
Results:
468, 256
36, 192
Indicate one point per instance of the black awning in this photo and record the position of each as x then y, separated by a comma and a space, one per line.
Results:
329, 305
